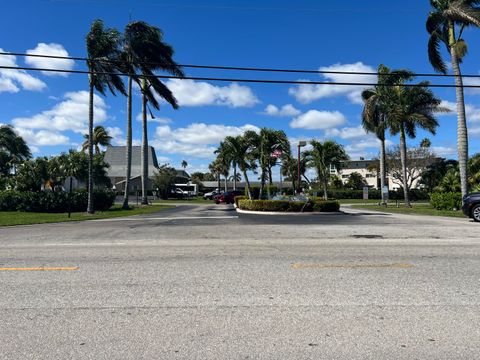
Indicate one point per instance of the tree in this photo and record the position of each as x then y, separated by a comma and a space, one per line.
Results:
425, 143
13, 149
435, 172
418, 161
355, 181
374, 115
409, 108
184, 164
164, 179
290, 169
445, 24
322, 157
103, 55
146, 53
100, 138
215, 169
263, 146
32, 174
450, 182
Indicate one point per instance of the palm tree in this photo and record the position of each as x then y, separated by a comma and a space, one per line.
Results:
323, 157
290, 169
100, 138
409, 108
263, 145
374, 112
103, 54
146, 52
425, 143
214, 168
13, 146
237, 152
445, 24
184, 164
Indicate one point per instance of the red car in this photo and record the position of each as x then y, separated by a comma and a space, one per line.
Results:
227, 197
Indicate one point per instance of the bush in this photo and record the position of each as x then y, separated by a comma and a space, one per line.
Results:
446, 201
54, 202
238, 198
349, 194
288, 206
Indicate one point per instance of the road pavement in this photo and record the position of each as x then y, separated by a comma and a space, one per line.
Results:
203, 282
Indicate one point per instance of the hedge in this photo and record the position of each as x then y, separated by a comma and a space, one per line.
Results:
415, 194
288, 206
446, 201
54, 202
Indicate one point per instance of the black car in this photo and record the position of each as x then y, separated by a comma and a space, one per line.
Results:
471, 206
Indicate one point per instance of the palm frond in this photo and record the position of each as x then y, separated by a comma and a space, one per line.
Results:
434, 55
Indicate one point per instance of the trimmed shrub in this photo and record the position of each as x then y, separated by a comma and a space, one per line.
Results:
54, 202
288, 206
238, 198
326, 206
446, 201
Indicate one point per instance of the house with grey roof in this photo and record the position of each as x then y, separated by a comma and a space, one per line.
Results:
115, 156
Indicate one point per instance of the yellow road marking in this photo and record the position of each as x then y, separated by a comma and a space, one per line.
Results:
299, 266
72, 268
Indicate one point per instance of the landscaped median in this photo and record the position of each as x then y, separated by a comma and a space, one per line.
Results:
287, 207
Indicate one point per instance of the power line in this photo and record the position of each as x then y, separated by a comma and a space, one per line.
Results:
239, 68
262, 81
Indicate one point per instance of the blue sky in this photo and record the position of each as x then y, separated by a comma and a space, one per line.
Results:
50, 111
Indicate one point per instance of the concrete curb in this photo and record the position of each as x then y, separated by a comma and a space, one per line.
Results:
270, 213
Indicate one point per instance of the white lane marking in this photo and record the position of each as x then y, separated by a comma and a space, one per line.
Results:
83, 244
169, 218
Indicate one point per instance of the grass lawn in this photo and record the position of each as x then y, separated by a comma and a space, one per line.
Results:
417, 209
8, 218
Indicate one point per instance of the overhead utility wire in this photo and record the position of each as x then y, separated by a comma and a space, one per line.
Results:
236, 68
263, 81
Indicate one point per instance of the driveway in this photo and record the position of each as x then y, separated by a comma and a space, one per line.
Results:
203, 282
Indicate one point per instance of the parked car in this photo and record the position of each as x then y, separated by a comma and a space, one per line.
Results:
227, 197
178, 193
471, 206
211, 194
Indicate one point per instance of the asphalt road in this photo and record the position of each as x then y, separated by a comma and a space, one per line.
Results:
202, 282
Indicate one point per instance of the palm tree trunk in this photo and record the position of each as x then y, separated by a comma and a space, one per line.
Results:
225, 180
403, 157
325, 186
144, 146
270, 175
234, 176
383, 170
128, 145
247, 182
90, 149
462, 132
218, 180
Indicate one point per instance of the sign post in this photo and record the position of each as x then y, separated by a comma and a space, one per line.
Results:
365, 193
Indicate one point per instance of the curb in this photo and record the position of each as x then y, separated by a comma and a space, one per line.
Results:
270, 213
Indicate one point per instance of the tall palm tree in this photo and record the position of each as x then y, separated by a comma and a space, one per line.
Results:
100, 138
184, 164
215, 169
374, 112
103, 54
146, 52
13, 146
323, 157
445, 24
411, 108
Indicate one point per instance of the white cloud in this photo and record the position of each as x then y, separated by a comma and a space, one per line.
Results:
42, 137
314, 120
443, 151
308, 93
197, 140
472, 112
192, 93
70, 114
360, 148
348, 133
11, 79
54, 50
285, 110
160, 120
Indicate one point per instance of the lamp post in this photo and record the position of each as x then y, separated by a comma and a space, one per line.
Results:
300, 145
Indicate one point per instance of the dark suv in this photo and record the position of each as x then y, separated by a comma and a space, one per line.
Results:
471, 206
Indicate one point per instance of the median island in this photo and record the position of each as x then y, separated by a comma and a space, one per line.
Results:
283, 204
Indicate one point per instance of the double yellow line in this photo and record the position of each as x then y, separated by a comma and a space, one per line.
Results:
69, 268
